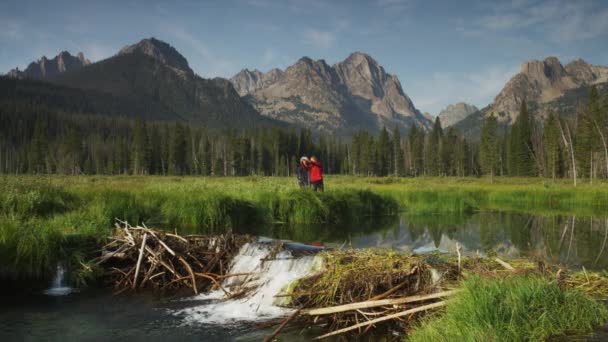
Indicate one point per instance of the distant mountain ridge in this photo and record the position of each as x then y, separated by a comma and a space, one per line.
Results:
149, 79
356, 93
45, 68
455, 113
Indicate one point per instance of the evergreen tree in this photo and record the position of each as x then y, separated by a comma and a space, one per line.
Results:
553, 153
416, 140
587, 141
488, 146
397, 153
383, 153
141, 150
520, 154
434, 148
177, 151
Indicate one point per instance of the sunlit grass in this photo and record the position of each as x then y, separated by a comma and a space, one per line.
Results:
523, 308
49, 207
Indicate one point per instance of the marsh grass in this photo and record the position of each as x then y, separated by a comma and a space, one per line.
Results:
49, 207
521, 308
37, 212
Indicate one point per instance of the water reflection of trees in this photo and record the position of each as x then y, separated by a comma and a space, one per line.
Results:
309, 233
575, 241
571, 240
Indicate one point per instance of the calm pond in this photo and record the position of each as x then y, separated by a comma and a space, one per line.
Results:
96, 315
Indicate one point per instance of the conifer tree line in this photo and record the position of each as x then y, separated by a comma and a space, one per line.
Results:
556, 147
38, 140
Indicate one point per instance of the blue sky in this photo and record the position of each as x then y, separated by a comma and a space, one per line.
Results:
442, 51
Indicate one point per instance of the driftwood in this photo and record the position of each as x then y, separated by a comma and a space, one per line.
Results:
140, 257
504, 264
382, 319
376, 303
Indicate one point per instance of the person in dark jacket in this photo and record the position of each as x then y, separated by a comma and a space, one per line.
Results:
302, 173
316, 174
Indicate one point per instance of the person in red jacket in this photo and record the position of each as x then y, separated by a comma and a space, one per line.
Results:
316, 174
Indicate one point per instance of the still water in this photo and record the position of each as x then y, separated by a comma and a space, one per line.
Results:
97, 316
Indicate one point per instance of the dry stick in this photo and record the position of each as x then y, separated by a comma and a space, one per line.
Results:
215, 282
382, 319
396, 288
376, 303
141, 254
126, 229
458, 252
504, 264
159, 240
191, 274
177, 237
280, 327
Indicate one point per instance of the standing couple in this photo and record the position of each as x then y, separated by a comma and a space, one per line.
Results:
310, 172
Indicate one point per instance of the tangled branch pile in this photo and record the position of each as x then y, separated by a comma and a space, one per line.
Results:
140, 257
360, 288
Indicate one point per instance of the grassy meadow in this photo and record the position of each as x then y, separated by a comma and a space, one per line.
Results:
44, 219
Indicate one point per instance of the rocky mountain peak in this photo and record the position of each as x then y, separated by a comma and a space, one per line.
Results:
160, 51
543, 81
355, 92
45, 68
247, 81
547, 71
455, 113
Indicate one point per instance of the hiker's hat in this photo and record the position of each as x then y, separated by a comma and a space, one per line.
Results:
303, 159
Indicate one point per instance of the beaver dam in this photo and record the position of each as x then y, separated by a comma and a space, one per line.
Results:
284, 286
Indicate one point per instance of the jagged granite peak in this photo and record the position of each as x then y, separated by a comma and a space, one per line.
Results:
45, 68
585, 73
455, 113
160, 51
540, 82
352, 94
247, 81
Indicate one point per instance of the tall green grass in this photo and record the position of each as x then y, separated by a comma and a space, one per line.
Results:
37, 213
49, 207
523, 308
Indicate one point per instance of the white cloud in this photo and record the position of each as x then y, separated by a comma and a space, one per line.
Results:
560, 21
319, 39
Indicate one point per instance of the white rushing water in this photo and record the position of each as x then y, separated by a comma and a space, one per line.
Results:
267, 278
59, 286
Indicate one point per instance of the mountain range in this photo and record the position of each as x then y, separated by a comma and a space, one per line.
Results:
47, 68
151, 79
356, 93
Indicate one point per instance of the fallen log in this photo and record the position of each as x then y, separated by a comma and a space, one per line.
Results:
382, 319
504, 264
141, 255
376, 303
